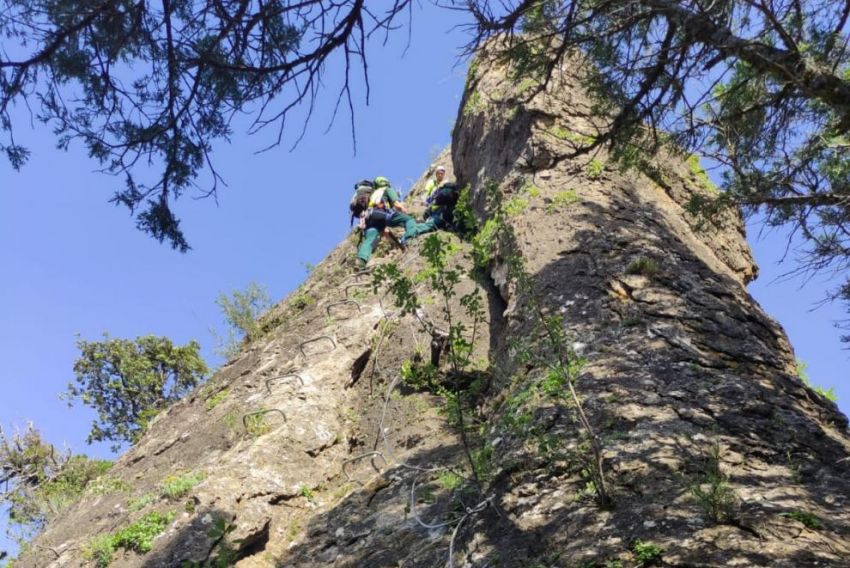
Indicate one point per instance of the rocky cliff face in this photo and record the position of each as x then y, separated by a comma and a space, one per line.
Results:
307, 450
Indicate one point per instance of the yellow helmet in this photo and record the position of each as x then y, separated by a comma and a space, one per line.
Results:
381, 181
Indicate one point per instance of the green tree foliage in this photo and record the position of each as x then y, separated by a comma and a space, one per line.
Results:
242, 311
762, 89
40, 481
157, 83
129, 381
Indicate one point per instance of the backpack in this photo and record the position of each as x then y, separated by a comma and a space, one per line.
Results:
445, 196
360, 200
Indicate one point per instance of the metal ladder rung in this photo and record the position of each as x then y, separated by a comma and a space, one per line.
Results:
315, 339
358, 458
281, 377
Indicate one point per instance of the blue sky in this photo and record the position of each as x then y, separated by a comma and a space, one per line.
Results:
74, 264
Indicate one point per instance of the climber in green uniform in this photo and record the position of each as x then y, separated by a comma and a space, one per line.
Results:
385, 210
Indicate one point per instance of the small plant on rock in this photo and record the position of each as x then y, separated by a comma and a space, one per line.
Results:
562, 199
99, 550
712, 492
802, 372
449, 480
307, 492
137, 537
224, 554
139, 503
175, 487
106, 485
809, 519
643, 266
217, 398
647, 553
257, 426
301, 301
594, 169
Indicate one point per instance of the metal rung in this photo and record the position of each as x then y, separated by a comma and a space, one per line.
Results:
366, 272
358, 458
245, 417
356, 285
315, 339
342, 303
282, 377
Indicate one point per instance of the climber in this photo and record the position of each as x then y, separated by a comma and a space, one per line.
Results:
439, 213
385, 210
434, 182
441, 197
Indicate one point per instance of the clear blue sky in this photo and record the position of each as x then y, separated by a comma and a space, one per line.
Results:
74, 264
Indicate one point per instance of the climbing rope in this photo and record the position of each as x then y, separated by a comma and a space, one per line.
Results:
457, 521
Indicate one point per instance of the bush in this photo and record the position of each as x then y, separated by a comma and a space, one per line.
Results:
465, 222
242, 311
419, 375
33, 508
